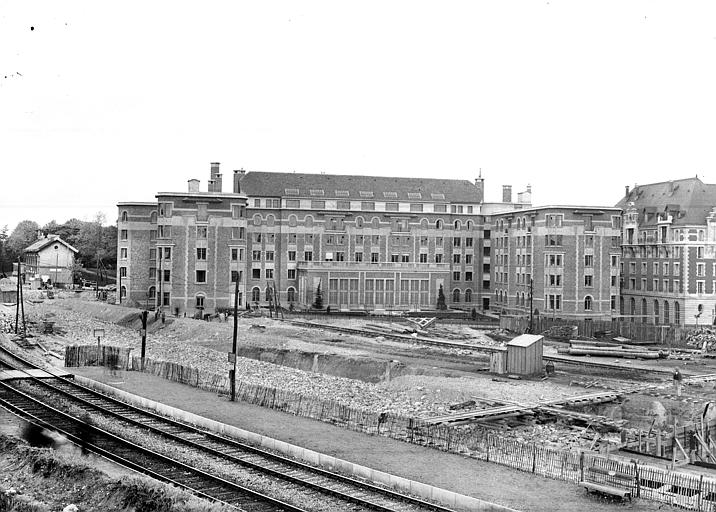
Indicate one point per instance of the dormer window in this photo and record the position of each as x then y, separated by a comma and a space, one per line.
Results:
415, 195
316, 192
291, 191
366, 193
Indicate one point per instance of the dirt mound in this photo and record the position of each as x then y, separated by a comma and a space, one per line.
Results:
43, 480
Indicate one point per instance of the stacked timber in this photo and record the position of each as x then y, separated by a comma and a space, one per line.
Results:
607, 349
703, 339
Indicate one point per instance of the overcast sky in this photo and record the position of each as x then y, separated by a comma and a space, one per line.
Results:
105, 102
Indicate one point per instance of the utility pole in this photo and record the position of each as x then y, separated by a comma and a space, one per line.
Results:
143, 317
232, 356
531, 305
120, 285
20, 302
96, 277
160, 300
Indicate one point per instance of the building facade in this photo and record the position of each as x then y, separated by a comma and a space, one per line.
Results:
369, 243
669, 253
50, 260
558, 261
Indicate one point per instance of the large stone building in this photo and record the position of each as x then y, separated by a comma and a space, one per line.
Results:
669, 253
559, 261
370, 243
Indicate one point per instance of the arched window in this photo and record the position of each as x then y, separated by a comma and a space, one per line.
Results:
423, 223
643, 311
632, 308
199, 300
588, 303
468, 295
677, 313
124, 216
456, 295
255, 294
257, 220
270, 220
666, 312
153, 217
439, 224
457, 225
469, 225
656, 312
375, 223
308, 221
292, 221
152, 292
291, 295
123, 291
268, 294
359, 222
333, 224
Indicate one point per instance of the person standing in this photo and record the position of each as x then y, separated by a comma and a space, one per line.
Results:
678, 378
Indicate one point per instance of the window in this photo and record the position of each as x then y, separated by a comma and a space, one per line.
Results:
699, 252
392, 207
440, 208
199, 301
255, 255
123, 253
423, 258
358, 257
123, 234
468, 259
416, 207
269, 255
456, 258
291, 273
468, 242
167, 253
293, 203
700, 287
255, 294
613, 302
318, 205
468, 277
291, 255
201, 231
588, 303
152, 273
152, 292
257, 203
153, 217
153, 234
201, 276
165, 209
238, 233
367, 205
234, 254
588, 281
677, 286
456, 276
374, 257
255, 273
269, 273
201, 253
438, 258
166, 298
234, 276
122, 271
308, 256
456, 295
700, 269
167, 275
588, 260
237, 211
456, 241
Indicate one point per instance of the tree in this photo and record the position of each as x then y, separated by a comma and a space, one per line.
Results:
90, 241
22, 236
318, 301
4, 262
441, 298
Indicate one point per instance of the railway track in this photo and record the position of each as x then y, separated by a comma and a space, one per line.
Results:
309, 484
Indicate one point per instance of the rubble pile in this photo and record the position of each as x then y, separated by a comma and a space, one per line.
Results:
702, 339
561, 332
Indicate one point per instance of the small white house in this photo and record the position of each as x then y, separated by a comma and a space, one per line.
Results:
50, 259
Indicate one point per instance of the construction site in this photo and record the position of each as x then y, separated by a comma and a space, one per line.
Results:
607, 413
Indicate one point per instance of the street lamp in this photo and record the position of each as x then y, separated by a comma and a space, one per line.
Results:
57, 260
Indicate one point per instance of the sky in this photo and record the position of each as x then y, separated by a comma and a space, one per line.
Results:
107, 102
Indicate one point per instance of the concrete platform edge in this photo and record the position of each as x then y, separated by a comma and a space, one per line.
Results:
425, 491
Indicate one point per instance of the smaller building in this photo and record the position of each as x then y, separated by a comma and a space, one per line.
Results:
8, 291
51, 260
524, 355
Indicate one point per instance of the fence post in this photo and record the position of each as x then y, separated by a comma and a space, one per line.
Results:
701, 483
636, 478
581, 466
488, 448
534, 457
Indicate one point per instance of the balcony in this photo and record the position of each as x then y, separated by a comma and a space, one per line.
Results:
364, 265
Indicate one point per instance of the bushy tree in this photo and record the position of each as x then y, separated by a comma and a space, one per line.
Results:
441, 298
318, 300
24, 234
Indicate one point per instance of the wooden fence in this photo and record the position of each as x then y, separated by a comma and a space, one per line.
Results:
688, 491
670, 335
104, 355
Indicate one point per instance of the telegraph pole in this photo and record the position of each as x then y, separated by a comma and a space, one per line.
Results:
232, 356
20, 302
532, 309
143, 317
161, 278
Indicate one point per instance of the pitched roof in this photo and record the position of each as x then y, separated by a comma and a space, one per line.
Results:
689, 201
276, 184
40, 244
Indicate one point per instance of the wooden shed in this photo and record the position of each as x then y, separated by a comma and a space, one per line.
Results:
524, 355
8, 291
498, 361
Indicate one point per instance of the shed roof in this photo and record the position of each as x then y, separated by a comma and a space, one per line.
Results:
40, 244
524, 340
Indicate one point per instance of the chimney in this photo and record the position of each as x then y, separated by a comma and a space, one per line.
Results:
210, 186
526, 196
40, 234
238, 176
193, 186
506, 193
480, 186
626, 190
216, 178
